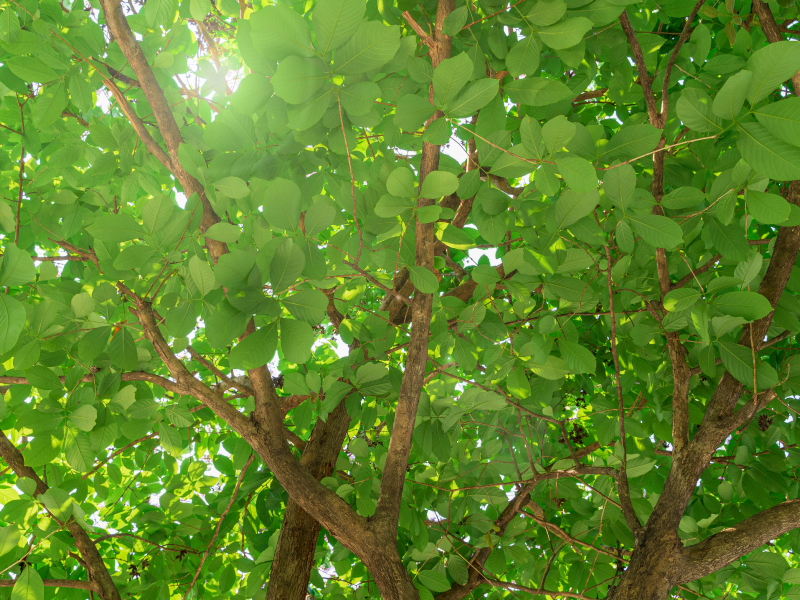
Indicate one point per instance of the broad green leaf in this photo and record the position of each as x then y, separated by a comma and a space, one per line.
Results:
297, 79
233, 187
372, 46
278, 31
474, 97
769, 209
767, 154
401, 183
223, 232
423, 279
781, 119
282, 204
631, 142
434, 581
747, 305
202, 275
523, 58
359, 98
578, 173
729, 240
578, 358
537, 91
413, 110
450, 76
694, 108
771, 65
565, 34
9, 26
28, 586
257, 349
286, 266
296, 340
122, 350
680, 299
438, 184
335, 22
17, 266
729, 100
544, 12
84, 417
657, 231
307, 305
9, 538
12, 320
683, 197
116, 228
573, 206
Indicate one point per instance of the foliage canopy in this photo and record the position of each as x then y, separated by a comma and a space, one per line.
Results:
399, 299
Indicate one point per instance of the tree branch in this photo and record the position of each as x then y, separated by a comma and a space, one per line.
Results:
638, 57
59, 583
723, 548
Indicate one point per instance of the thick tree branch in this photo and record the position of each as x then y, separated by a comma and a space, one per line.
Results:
59, 583
644, 78
734, 542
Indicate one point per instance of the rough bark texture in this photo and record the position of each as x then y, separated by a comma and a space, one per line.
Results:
294, 554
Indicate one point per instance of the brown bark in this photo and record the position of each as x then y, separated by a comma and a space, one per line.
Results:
294, 554
118, 25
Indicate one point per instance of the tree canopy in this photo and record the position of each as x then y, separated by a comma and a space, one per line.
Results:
395, 299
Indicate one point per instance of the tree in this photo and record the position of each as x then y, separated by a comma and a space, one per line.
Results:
399, 299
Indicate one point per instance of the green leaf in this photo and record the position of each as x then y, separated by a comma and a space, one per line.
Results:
683, 197
78, 452
553, 369
476, 95
282, 204
413, 110
730, 99
335, 22
17, 266
450, 77
578, 173
28, 586
565, 34
392, 206
286, 266
771, 65
223, 232
358, 99
84, 417
93, 343
278, 31
619, 185
747, 305
769, 209
631, 142
43, 378
537, 91
257, 349
296, 338
767, 154
573, 206
438, 184
423, 279
202, 275
297, 79
9, 538
158, 12
729, 240
9, 26
658, 231
739, 361
12, 320
32, 69
122, 350
523, 58
781, 119
27, 355
116, 228
170, 439
694, 108
455, 21
233, 187
372, 46
680, 299
136, 256
307, 305
544, 12
578, 358
318, 218
401, 183
434, 581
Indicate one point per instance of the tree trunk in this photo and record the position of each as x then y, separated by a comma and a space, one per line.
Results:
294, 554
653, 569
